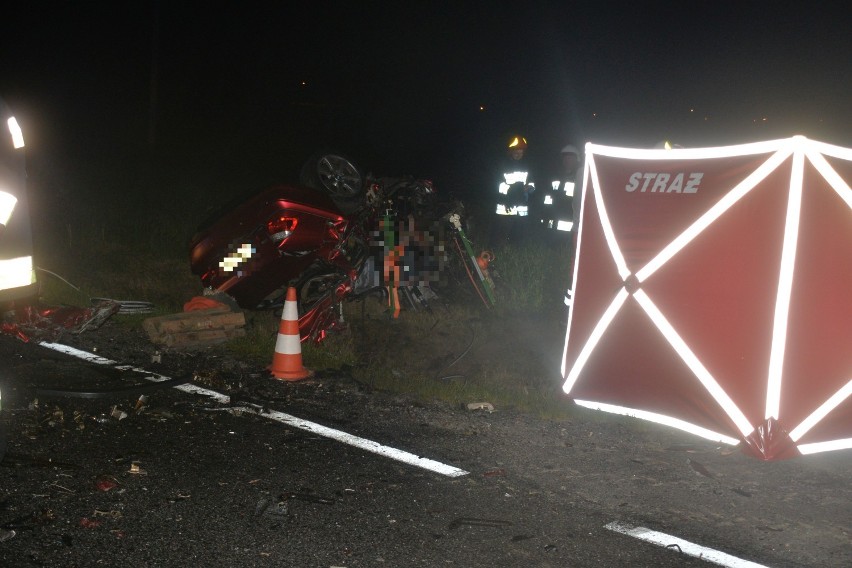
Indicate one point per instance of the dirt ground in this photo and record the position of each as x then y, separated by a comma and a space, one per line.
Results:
789, 513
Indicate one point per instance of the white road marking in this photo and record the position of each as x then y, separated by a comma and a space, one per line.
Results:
362, 443
683, 546
275, 415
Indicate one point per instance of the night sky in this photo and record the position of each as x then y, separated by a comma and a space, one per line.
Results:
186, 94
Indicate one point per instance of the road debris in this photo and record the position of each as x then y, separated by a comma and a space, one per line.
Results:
140, 403
699, 468
118, 413
486, 406
196, 328
88, 523
270, 508
111, 392
111, 514
106, 483
36, 322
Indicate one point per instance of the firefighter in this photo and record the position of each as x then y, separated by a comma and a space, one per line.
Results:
17, 273
515, 189
557, 202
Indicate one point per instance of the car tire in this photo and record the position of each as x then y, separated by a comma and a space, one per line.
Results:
336, 175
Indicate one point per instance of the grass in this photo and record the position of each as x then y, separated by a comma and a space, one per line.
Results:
531, 277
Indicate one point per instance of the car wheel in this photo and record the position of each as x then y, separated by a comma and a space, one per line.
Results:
333, 173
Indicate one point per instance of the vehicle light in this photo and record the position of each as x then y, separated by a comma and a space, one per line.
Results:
7, 205
17, 134
280, 227
230, 262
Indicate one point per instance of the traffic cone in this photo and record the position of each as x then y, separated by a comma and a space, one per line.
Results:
287, 361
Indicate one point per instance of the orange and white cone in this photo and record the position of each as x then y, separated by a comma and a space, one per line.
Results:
287, 361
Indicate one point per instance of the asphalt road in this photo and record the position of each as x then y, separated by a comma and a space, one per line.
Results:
192, 477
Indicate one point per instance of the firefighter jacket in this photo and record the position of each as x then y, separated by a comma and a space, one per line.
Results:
515, 188
17, 273
557, 203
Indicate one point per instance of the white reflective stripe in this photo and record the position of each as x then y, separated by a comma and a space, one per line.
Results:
554, 185
821, 412
569, 188
291, 311
7, 205
517, 211
659, 419
548, 200
683, 546
602, 325
564, 225
701, 373
17, 134
503, 188
16, 272
606, 225
785, 287
834, 445
725, 203
288, 344
690, 153
515, 177
837, 183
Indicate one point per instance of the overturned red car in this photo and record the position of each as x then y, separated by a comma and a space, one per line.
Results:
320, 236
